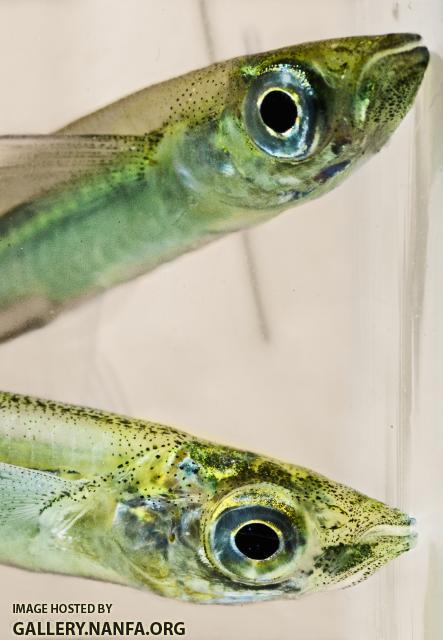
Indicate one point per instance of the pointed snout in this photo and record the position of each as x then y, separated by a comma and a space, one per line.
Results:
400, 53
389, 41
388, 84
403, 531
408, 51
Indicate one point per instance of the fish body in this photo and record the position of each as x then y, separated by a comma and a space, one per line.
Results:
177, 165
94, 494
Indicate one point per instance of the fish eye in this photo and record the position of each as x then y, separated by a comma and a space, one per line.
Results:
254, 539
281, 113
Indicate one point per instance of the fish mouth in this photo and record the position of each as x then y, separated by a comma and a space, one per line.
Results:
404, 532
388, 84
406, 45
397, 41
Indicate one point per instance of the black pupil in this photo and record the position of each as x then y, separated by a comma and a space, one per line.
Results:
257, 541
278, 111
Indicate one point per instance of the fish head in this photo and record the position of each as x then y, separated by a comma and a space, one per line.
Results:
237, 527
300, 119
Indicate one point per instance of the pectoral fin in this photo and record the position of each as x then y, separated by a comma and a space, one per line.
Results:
33, 165
26, 493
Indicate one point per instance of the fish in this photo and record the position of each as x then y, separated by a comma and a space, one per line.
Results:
179, 164
94, 494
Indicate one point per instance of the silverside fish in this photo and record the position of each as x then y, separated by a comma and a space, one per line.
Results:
99, 495
179, 164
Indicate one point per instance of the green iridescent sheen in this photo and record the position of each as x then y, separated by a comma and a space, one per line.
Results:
182, 163
93, 494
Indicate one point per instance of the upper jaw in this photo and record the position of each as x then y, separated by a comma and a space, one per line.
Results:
403, 530
398, 41
405, 47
